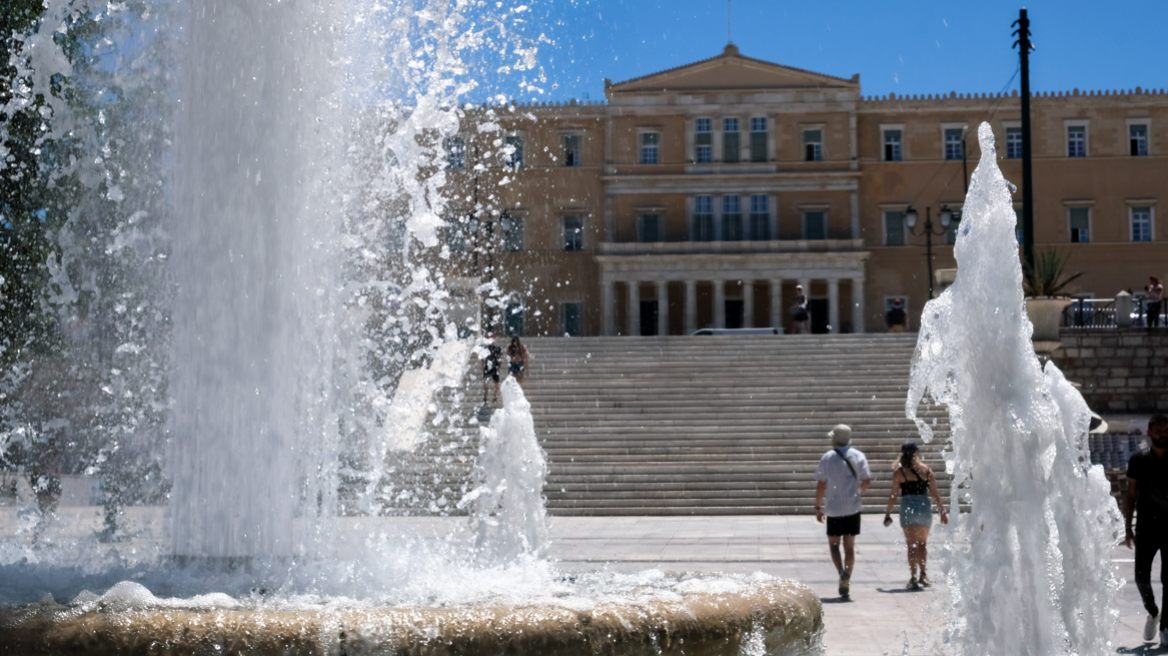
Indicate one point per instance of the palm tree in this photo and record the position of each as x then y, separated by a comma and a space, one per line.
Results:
1045, 277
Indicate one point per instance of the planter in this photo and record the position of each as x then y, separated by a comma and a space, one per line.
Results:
1045, 314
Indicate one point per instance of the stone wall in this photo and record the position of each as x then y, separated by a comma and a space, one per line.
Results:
1120, 371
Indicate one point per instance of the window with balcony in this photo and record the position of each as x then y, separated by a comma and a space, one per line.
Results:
455, 153
731, 148
572, 319
894, 229
703, 219
571, 143
1080, 224
455, 235
513, 151
758, 139
1018, 225
815, 225
951, 229
1013, 143
812, 145
760, 218
1138, 139
954, 145
650, 147
703, 140
573, 233
513, 319
649, 228
1076, 141
512, 234
892, 144
731, 218
1141, 223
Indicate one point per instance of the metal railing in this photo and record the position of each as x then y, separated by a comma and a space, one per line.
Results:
1089, 313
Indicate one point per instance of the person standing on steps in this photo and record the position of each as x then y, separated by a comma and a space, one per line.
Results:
1155, 296
517, 357
914, 483
491, 367
842, 476
895, 318
800, 316
1147, 497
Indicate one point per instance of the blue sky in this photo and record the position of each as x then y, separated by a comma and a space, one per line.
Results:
901, 46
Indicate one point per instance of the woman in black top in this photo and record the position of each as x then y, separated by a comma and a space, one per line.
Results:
517, 357
914, 483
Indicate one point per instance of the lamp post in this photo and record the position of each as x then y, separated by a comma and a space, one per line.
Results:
910, 217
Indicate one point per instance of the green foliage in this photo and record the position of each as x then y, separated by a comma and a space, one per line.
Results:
1046, 277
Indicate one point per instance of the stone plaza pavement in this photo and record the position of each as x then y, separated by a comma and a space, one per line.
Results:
880, 618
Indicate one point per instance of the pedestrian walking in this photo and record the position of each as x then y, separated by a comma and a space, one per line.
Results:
1155, 296
842, 476
800, 315
517, 357
914, 483
1147, 497
491, 367
896, 319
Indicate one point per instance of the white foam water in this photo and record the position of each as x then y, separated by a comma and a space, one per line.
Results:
1030, 567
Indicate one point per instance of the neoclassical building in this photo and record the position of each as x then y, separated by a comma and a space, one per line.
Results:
702, 195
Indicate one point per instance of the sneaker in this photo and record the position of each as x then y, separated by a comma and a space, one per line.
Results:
845, 584
1150, 628
1164, 637
923, 579
913, 584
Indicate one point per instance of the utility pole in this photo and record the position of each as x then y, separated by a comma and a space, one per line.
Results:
1024, 47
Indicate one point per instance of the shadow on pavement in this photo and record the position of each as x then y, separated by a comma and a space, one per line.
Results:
835, 600
898, 590
1146, 648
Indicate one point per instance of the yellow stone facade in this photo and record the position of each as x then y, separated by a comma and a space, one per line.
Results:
704, 194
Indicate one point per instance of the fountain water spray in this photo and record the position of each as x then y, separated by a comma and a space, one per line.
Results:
1030, 567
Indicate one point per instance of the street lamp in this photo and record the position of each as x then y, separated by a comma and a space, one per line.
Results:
910, 217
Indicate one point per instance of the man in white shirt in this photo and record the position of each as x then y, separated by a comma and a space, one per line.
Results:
842, 476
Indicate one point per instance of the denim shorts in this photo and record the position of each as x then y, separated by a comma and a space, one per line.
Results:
916, 510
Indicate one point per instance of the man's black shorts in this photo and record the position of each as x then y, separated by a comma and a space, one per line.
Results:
849, 525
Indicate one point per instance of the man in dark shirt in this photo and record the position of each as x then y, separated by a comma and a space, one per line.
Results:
896, 318
491, 367
1147, 495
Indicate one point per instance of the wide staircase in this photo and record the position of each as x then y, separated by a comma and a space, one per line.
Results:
686, 425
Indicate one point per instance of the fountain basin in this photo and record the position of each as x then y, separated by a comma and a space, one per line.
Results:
774, 617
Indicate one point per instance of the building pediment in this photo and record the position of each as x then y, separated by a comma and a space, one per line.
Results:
731, 71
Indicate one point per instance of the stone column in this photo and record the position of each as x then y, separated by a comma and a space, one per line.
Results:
778, 314
719, 303
634, 308
833, 313
858, 305
748, 304
662, 307
691, 306
607, 316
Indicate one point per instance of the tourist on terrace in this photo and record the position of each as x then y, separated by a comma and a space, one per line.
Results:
1155, 291
1147, 496
914, 483
517, 357
842, 477
800, 316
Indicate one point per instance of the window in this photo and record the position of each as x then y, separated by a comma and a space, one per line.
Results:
814, 225
1138, 139
894, 229
812, 145
572, 149
703, 220
758, 139
455, 236
1080, 218
1076, 141
513, 319
1013, 143
703, 140
455, 153
649, 228
1141, 224
951, 229
512, 234
571, 319
760, 218
954, 147
513, 151
650, 147
731, 150
573, 233
892, 145
731, 218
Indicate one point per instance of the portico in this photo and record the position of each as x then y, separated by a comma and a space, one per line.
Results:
732, 274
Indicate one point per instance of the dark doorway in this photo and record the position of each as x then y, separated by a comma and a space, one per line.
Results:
735, 311
818, 309
648, 317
